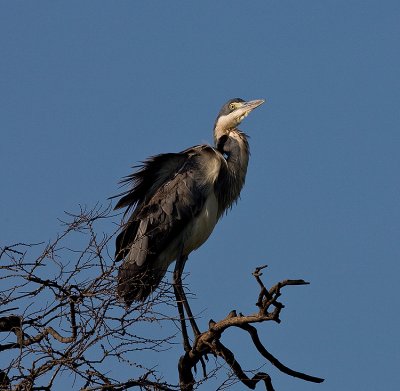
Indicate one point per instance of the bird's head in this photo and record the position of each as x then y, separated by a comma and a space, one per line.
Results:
233, 112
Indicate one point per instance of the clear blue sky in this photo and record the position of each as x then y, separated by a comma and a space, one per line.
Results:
88, 89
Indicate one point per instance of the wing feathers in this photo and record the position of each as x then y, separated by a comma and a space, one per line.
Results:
167, 192
151, 175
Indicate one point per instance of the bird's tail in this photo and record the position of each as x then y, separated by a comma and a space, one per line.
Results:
135, 283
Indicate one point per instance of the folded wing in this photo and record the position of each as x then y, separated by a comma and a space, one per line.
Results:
168, 193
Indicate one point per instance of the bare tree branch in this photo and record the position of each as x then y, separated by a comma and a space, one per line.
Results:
62, 308
62, 322
209, 342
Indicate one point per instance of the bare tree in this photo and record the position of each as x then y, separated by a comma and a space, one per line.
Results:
63, 323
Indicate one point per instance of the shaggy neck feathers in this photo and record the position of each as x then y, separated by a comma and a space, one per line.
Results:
234, 147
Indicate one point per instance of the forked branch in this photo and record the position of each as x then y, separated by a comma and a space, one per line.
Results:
209, 342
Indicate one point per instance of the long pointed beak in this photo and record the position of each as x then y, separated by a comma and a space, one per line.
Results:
252, 104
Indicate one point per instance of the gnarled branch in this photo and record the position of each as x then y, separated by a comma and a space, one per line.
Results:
209, 342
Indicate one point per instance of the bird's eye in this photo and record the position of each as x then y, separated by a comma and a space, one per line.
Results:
232, 106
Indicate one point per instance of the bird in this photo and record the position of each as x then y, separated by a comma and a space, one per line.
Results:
174, 201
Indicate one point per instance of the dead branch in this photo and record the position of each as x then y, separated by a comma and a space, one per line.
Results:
61, 319
209, 342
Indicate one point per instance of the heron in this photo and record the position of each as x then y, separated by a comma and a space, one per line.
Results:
173, 203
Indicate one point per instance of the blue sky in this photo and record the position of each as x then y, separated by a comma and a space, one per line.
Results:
88, 89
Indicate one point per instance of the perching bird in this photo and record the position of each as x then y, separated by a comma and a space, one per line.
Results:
176, 199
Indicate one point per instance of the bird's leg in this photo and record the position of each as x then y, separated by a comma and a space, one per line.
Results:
185, 302
186, 343
177, 281
181, 300
193, 323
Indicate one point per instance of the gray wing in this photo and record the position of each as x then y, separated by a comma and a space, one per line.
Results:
160, 218
149, 177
